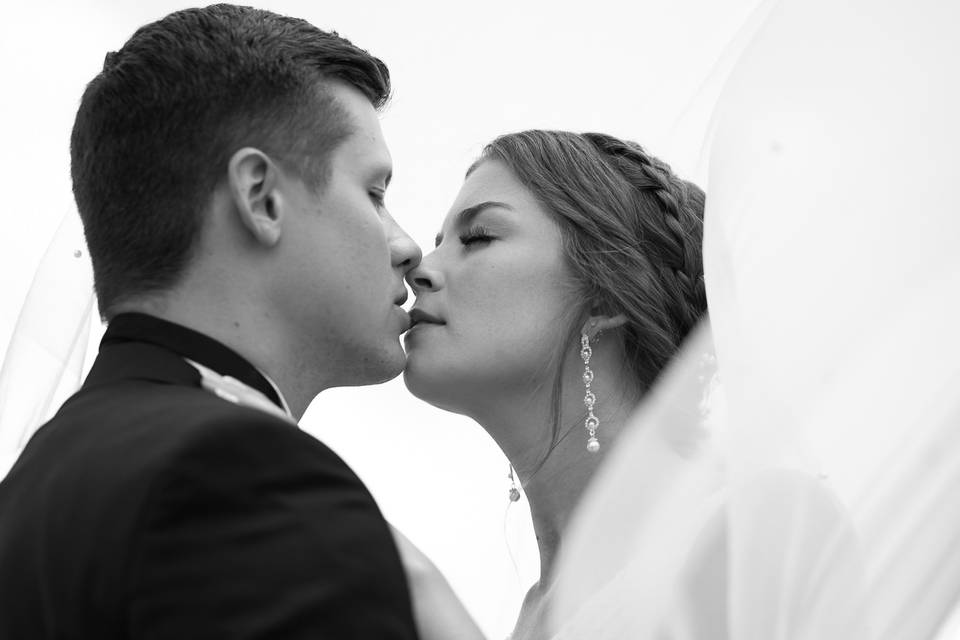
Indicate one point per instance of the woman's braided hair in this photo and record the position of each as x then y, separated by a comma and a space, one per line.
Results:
632, 234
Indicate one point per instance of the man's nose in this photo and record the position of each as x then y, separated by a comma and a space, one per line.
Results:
405, 254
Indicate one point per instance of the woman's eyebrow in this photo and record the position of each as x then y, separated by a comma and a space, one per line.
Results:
465, 216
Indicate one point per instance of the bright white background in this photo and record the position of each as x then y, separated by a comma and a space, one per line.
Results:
463, 73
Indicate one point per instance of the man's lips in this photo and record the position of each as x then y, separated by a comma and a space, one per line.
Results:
419, 316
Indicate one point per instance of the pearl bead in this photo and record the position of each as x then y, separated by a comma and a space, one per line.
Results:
593, 445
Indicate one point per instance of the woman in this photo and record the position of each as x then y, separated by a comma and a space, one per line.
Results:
565, 277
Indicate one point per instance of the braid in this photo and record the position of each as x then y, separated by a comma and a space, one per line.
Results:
631, 233
673, 233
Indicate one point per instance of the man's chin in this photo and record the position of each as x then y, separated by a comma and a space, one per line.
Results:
380, 367
393, 369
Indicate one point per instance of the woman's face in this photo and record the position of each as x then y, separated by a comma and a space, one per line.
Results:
492, 298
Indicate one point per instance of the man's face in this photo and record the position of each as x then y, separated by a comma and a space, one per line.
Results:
344, 259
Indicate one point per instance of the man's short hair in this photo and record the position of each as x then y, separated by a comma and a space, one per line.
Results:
157, 126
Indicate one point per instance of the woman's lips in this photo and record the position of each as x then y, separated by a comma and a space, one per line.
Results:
420, 317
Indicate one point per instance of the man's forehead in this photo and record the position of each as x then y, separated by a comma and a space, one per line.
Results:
368, 151
364, 142
356, 108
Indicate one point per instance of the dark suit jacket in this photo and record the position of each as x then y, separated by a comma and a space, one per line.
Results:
149, 508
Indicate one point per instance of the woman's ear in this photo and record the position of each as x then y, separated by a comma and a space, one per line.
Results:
253, 180
596, 324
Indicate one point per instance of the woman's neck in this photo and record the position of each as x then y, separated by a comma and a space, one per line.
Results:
555, 471
555, 487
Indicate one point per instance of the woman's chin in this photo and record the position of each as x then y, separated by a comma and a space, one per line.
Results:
420, 380
435, 387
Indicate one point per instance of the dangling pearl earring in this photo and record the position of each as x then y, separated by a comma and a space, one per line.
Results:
589, 399
514, 491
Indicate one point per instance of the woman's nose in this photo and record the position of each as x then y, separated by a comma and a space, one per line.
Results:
424, 277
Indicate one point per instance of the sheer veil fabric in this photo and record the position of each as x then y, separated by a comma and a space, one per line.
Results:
819, 497
44, 361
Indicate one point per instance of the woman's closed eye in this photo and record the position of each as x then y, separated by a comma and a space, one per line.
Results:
476, 236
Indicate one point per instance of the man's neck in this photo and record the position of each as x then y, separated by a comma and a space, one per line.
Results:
260, 345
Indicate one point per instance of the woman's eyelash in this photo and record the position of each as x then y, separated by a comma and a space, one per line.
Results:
379, 198
475, 235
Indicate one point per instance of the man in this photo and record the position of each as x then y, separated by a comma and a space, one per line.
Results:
229, 169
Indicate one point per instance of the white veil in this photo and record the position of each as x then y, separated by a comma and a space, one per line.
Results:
49, 342
821, 499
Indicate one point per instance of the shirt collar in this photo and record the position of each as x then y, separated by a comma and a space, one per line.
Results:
193, 345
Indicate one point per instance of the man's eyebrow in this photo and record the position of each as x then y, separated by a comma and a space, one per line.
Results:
465, 216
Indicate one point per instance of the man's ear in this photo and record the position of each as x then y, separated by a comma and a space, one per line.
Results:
595, 324
253, 179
